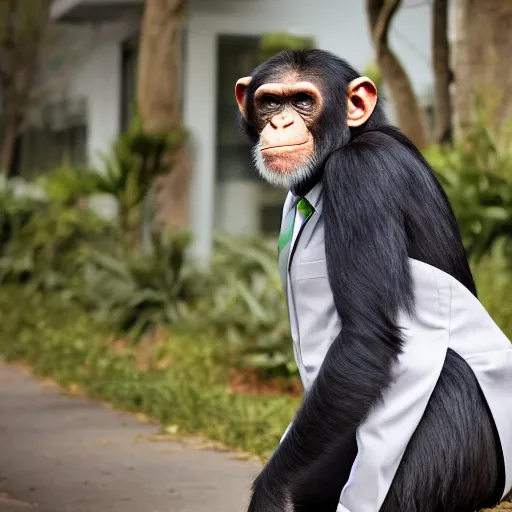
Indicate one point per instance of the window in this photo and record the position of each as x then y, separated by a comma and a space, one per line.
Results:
237, 57
129, 55
57, 138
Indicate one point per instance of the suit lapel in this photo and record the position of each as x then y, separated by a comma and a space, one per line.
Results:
314, 198
288, 244
307, 212
285, 237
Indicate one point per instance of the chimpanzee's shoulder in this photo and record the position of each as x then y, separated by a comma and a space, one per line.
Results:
387, 139
388, 157
388, 148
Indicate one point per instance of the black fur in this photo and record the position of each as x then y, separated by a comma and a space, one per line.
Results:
382, 205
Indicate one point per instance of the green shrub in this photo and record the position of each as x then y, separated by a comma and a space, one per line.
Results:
18, 203
494, 283
477, 177
136, 160
67, 185
135, 291
51, 245
246, 305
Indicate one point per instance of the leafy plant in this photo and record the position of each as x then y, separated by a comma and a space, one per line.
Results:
477, 176
18, 203
137, 158
493, 277
50, 247
246, 304
67, 185
135, 291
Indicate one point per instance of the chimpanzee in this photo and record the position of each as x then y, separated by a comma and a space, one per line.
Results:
408, 382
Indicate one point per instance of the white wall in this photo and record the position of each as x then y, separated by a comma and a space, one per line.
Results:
99, 79
339, 26
237, 207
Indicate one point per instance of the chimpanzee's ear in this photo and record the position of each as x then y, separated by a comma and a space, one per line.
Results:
240, 93
362, 98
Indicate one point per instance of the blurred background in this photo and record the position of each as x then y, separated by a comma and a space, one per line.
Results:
137, 245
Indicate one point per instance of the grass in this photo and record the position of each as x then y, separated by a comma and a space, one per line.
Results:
176, 380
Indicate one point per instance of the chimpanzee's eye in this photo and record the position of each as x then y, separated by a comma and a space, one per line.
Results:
303, 100
269, 102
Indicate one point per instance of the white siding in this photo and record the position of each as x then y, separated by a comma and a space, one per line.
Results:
99, 79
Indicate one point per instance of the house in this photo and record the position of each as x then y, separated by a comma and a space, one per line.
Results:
220, 44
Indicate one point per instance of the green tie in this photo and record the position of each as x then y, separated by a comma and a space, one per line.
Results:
304, 210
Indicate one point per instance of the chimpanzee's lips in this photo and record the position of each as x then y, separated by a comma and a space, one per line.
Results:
285, 146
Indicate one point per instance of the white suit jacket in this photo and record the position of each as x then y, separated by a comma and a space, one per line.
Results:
447, 316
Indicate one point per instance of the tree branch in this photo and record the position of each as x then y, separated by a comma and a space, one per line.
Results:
383, 23
410, 117
442, 72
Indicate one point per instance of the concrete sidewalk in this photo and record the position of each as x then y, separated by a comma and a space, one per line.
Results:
70, 454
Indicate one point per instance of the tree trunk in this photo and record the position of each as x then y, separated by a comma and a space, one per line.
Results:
410, 117
482, 61
159, 90
22, 35
442, 72
10, 133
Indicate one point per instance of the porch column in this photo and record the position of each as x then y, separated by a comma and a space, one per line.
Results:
239, 205
104, 78
200, 93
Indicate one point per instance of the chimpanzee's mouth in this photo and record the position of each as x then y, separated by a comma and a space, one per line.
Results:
285, 146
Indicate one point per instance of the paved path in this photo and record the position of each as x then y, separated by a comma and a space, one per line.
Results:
69, 454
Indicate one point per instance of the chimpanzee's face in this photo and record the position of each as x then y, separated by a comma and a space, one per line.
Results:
296, 121
284, 113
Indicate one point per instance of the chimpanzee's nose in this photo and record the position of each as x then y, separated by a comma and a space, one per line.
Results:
282, 121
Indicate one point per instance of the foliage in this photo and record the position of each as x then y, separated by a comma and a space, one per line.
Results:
477, 176
42, 241
240, 300
137, 158
135, 291
493, 278
246, 305
51, 246
186, 391
373, 72
18, 202
67, 185
275, 42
